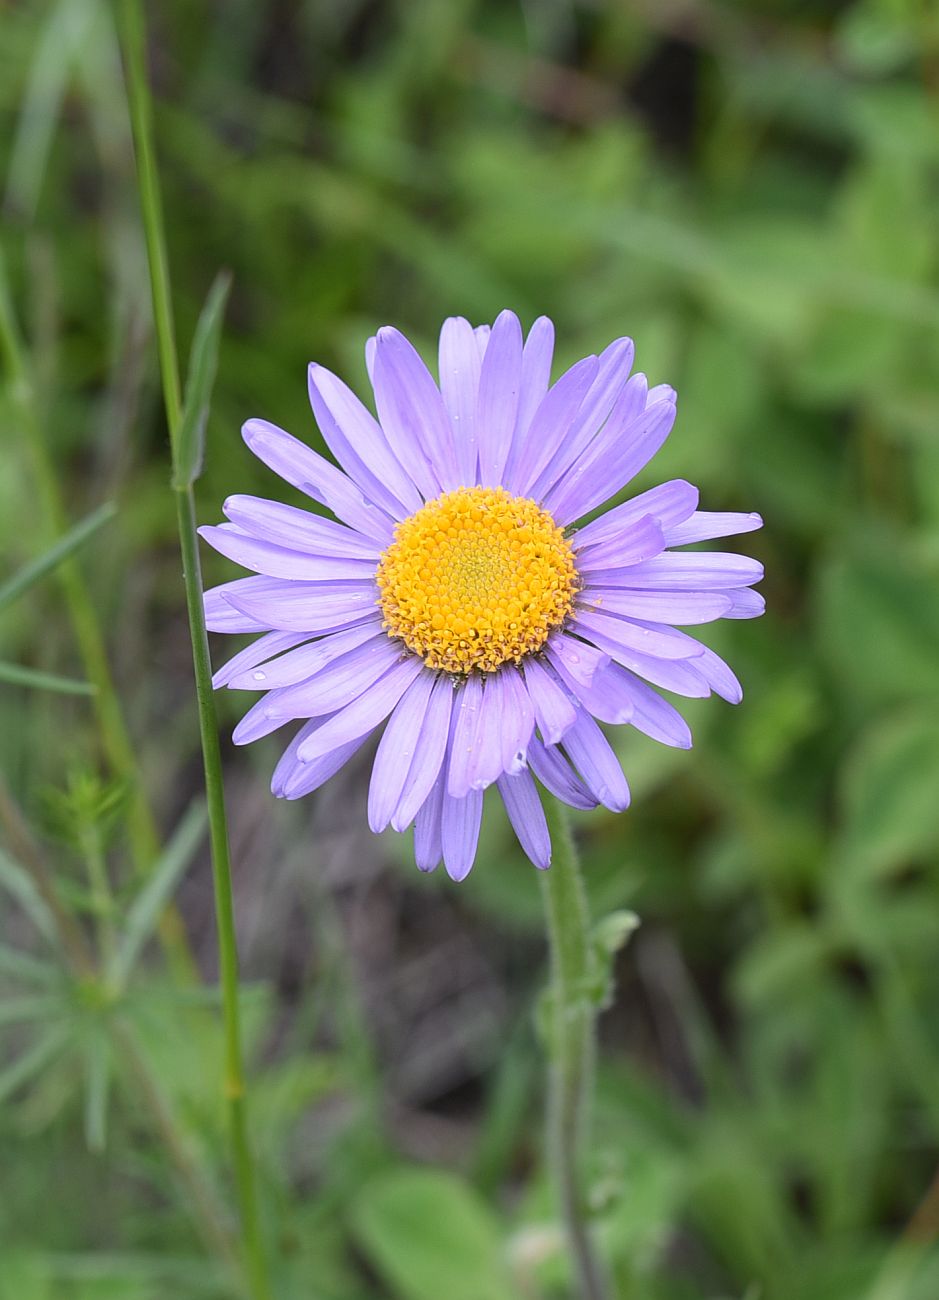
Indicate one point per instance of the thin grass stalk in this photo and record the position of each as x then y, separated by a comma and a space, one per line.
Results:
141, 114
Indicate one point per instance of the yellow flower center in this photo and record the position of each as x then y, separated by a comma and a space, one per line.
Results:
475, 578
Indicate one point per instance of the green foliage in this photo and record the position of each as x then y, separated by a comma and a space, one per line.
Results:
750, 192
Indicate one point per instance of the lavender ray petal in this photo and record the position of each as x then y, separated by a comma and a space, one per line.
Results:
669, 503
429, 753
265, 647
459, 832
298, 530
590, 752
549, 426
337, 682
282, 606
302, 661
580, 660
497, 407
744, 603
705, 525
637, 542
358, 443
459, 364
684, 607
298, 464
693, 571
277, 561
364, 713
527, 816
611, 634
537, 355
554, 712
397, 750
413, 414
556, 774
427, 846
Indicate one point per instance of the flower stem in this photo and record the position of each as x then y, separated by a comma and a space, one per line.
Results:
571, 1024
132, 40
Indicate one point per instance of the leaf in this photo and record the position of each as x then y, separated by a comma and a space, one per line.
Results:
429, 1235
33, 1061
24, 966
203, 362
17, 675
144, 911
37, 569
31, 1008
97, 1080
17, 882
889, 797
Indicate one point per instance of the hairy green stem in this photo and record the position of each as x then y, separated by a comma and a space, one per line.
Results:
132, 40
570, 1034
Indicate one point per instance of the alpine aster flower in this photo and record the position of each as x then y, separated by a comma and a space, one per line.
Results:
455, 603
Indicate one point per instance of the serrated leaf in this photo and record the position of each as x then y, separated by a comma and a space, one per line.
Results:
203, 362
146, 908
37, 569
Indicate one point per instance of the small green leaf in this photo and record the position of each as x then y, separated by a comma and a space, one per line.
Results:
153, 897
97, 1080
32, 1008
610, 935
430, 1235
17, 882
33, 1061
16, 675
24, 966
37, 569
203, 361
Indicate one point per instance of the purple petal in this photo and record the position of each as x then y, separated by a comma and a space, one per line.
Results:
459, 364
537, 355
590, 752
221, 615
744, 603
603, 698
678, 675
615, 363
301, 606
459, 832
653, 715
659, 606
556, 774
549, 426
293, 779
527, 816
427, 847
579, 660
669, 503
481, 333
428, 757
554, 712
413, 414
712, 668
695, 571
358, 442
336, 682
364, 713
482, 711
497, 407
303, 661
396, 751
298, 464
518, 718
611, 635
610, 462
635, 543
278, 562
704, 525
265, 647
257, 722
299, 530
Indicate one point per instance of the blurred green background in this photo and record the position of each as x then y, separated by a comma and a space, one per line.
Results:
749, 190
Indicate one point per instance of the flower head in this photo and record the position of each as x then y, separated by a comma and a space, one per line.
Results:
454, 604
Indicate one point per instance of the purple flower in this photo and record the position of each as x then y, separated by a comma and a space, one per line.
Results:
455, 605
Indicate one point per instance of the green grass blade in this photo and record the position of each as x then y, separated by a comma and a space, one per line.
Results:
33, 679
23, 966
33, 1061
32, 1007
97, 1085
37, 569
17, 882
145, 910
203, 363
